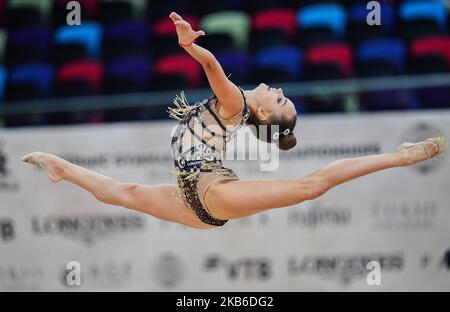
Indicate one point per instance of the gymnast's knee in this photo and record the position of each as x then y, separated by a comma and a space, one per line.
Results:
315, 187
117, 193
126, 194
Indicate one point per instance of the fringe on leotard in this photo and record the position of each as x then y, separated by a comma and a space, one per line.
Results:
181, 107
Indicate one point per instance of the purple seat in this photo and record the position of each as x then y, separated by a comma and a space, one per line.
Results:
28, 45
126, 38
236, 64
126, 75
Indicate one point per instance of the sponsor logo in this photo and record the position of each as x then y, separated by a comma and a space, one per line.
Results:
404, 214
21, 277
332, 151
344, 268
445, 262
245, 268
3, 170
316, 216
420, 132
157, 165
119, 160
169, 270
7, 232
425, 260
87, 228
7, 182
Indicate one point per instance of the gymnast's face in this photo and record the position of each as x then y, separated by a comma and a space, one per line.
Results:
272, 101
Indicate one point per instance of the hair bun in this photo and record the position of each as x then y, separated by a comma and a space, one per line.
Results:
287, 142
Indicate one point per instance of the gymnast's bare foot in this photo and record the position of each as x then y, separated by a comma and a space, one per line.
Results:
51, 163
412, 153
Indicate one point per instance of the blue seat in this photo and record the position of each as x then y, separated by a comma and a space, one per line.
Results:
40, 75
333, 16
430, 9
286, 58
358, 15
387, 50
3, 76
88, 34
235, 63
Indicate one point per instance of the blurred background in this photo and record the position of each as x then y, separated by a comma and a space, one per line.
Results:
97, 94
125, 47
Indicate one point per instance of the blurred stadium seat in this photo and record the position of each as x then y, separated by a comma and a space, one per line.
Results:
422, 18
277, 64
28, 44
3, 75
79, 78
429, 55
329, 61
272, 28
321, 23
231, 27
178, 71
126, 38
237, 64
74, 43
128, 75
30, 81
381, 57
28, 12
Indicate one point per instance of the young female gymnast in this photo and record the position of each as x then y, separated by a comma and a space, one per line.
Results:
207, 193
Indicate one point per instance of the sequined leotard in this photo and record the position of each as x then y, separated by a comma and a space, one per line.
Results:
198, 145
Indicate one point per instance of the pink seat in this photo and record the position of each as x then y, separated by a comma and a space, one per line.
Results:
180, 64
89, 72
282, 19
340, 55
432, 46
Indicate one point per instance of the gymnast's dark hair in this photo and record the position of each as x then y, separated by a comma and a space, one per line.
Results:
283, 141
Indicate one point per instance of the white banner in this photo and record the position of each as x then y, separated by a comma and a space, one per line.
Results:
399, 217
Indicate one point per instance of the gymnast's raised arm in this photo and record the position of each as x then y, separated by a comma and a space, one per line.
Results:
227, 92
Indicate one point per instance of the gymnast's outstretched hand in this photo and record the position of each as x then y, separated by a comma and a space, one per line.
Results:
186, 35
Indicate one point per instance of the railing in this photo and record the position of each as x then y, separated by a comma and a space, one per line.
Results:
164, 98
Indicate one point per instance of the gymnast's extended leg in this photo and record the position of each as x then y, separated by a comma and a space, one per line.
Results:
240, 198
160, 201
